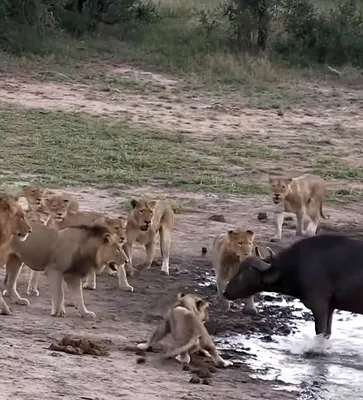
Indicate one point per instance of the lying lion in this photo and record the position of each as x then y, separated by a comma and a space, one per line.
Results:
303, 196
147, 219
69, 254
185, 322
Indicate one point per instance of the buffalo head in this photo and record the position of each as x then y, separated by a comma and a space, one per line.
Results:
252, 277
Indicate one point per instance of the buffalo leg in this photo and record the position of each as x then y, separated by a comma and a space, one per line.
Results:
321, 317
329, 323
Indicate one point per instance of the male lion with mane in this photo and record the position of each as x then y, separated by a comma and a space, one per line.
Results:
185, 322
147, 219
69, 254
302, 196
13, 223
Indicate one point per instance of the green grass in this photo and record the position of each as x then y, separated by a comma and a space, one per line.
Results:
63, 149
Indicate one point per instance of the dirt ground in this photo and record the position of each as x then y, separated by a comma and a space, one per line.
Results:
30, 370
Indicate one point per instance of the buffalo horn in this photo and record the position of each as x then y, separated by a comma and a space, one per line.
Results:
261, 266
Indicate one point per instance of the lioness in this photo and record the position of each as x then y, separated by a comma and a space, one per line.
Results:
146, 220
13, 223
185, 321
34, 194
227, 252
68, 254
302, 196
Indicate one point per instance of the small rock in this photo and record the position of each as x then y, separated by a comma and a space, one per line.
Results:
280, 113
212, 370
194, 380
267, 339
206, 381
204, 374
217, 217
141, 360
186, 368
262, 216
204, 250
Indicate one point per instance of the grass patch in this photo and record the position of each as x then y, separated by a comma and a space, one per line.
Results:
332, 167
61, 149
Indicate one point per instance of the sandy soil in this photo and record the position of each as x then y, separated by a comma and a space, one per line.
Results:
31, 371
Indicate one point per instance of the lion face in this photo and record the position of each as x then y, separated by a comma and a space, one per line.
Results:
195, 304
35, 195
13, 213
38, 216
280, 188
57, 206
143, 213
111, 253
118, 227
241, 243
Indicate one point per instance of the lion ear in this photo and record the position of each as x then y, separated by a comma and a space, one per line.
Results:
201, 304
180, 296
5, 203
133, 203
288, 180
251, 234
152, 204
107, 238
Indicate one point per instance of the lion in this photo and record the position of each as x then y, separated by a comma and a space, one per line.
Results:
118, 227
69, 254
228, 251
34, 194
302, 196
185, 322
57, 206
13, 223
147, 219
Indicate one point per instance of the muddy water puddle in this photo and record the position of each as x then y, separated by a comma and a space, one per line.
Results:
313, 367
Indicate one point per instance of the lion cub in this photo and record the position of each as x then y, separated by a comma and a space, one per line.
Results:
185, 322
147, 219
227, 252
302, 196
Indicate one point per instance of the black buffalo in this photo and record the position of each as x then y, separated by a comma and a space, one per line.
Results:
324, 271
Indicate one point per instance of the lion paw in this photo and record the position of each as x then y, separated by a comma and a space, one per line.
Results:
89, 286
127, 288
22, 301
32, 292
5, 293
60, 313
5, 310
143, 346
164, 272
88, 315
226, 363
250, 310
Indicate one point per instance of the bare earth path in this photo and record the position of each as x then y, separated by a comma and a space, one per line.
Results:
30, 371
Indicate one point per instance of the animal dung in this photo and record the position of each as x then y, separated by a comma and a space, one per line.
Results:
261, 216
79, 346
